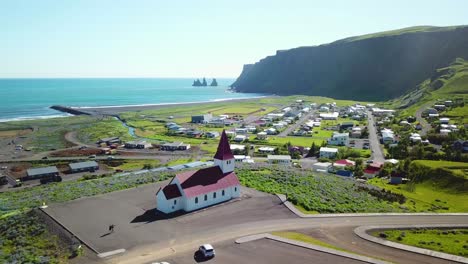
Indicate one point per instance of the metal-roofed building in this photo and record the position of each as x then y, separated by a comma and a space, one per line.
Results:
42, 172
90, 166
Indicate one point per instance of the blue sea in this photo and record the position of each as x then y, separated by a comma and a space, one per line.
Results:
31, 98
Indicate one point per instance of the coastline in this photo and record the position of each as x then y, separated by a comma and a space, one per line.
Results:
115, 110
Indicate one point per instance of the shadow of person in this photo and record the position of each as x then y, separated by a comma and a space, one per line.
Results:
106, 234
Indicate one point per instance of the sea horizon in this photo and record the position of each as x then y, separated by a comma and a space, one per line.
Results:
31, 98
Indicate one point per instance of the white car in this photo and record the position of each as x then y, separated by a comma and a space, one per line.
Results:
207, 250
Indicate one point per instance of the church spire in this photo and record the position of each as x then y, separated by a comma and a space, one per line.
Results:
224, 150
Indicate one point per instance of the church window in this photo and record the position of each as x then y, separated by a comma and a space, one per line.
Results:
235, 189
222, 193
214, 195
196, 200
175, 202
206, 197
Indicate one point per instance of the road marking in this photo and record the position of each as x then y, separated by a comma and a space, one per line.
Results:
111, 253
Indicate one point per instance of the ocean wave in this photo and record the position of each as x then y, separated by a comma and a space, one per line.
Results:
23, 118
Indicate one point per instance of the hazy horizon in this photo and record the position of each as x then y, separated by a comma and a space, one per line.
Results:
157, 39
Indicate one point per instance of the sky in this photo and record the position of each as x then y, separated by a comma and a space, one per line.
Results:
185, 38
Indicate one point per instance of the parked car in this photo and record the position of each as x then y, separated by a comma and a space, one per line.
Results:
44, 158
207, 250
92, 156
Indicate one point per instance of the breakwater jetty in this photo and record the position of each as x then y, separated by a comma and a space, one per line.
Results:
69, 110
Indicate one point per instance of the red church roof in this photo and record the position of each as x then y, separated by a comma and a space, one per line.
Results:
224, 150
171, 191
206, 180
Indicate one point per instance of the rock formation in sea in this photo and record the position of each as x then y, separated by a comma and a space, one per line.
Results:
214, 82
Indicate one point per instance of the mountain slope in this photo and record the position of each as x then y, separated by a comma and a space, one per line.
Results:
377, 66
447, 83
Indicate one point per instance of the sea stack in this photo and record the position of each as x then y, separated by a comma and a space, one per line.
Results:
214, 82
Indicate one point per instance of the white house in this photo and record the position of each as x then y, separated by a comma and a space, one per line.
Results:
237, 147
444, 120
243, 158
356, 132
324, 109
266, 149
279, 159
241, 131
328, 152
415, 137
445, 132
192, 190
240, 138
271, 131
261, 135
321, 166
387, 136
339, 139
329, 116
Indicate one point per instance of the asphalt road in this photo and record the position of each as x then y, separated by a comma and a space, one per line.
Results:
425, 125
215, 236
345, 238
296, 125
264, 251
377, 153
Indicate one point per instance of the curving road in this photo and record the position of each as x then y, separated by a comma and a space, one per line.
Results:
425, 125
151, 252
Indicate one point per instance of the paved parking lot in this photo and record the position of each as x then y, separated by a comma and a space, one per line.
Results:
136, 222
264, 251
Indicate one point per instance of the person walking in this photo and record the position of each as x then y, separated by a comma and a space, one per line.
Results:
111, 228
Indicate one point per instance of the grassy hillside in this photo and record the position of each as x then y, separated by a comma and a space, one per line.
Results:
438, 186
447, 83
372, 67
416, 29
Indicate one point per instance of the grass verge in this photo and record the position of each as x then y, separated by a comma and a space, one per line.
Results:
451, 241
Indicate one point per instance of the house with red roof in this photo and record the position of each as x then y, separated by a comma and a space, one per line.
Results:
193, 190
373, 170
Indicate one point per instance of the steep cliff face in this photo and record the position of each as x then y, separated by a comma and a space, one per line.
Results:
372, 67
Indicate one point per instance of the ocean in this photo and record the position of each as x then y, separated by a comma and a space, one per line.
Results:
24, 99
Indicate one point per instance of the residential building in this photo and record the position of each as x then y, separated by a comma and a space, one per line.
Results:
445, 132
109, 141
266, 149
279, 159
271, 131
388, 136
356, 132
202, 118
262, 136
322, 166
241, 131
461, 145
339, 139
36, 173
212, 134
346, 125
90, 166
237, 148
444, 120
342, 164
240, 138
231, 134
372, 170
396, 178
175, 146
194, 133
329, 153
193, 190
140, 144
243, 159
415, 137
329, 116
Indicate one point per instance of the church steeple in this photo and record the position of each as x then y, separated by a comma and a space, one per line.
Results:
223, 157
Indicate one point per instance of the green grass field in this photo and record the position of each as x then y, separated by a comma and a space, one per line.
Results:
451, 241
427, 197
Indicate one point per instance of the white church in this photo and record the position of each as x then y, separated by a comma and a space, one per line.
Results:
192, 190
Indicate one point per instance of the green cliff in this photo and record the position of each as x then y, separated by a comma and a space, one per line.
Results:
376, 66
